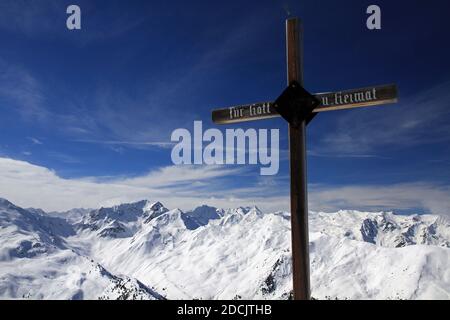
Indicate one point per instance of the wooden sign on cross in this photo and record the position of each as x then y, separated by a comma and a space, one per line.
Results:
298, 107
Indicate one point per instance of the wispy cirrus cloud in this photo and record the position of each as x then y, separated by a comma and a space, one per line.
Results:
28, 96
133, 144
333, 154
169, 101
142, 116
47, 19
28, 17
35, 141
63, 157
20, 90
417, 119
137, 117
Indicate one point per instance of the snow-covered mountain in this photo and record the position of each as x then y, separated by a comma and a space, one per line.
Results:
36, 262
143, 250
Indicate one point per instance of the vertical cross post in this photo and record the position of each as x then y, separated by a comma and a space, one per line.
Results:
297, 149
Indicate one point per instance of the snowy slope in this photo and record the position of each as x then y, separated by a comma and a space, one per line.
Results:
211, 253
37, 263
228, 257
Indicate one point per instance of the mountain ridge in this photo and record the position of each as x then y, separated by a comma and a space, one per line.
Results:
212, 253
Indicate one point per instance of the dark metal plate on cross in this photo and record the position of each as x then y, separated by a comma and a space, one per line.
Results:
295, 104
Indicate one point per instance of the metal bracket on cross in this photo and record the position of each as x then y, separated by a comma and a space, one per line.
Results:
295, 104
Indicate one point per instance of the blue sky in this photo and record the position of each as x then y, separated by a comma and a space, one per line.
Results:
86, 115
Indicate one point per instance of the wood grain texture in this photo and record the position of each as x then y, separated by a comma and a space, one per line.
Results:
298, 188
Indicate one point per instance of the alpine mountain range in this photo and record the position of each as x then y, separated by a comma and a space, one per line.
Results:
144, 250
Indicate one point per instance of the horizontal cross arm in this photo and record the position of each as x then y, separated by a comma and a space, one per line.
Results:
346, 99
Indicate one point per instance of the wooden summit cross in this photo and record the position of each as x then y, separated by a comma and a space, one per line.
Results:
299, 107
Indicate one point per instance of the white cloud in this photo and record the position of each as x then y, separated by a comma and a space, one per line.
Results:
186, 187
35, 140
427, 197
134, 144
